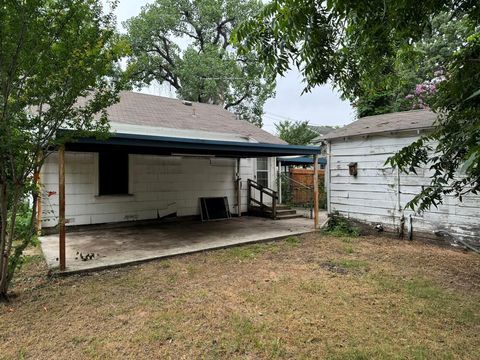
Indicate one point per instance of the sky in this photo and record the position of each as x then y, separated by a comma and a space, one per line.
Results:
322, 106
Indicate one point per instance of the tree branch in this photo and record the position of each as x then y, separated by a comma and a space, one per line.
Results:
236, 102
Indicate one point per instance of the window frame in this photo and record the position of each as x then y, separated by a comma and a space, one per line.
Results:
264, 171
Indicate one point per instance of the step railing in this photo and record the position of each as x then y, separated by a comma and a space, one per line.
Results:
264, 192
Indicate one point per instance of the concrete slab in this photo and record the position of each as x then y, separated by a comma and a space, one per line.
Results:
127, 245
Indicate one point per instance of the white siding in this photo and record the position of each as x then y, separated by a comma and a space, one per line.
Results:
378, 194
159, 185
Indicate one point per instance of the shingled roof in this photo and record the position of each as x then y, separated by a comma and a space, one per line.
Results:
157, 111
393, 122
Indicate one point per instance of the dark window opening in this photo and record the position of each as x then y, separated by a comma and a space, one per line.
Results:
112, 173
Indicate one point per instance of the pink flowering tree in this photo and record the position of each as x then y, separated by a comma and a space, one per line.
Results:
420, 98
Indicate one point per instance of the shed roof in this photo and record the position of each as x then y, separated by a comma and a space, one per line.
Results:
157, 111
393, 122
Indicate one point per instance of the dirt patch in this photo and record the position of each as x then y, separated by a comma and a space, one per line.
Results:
312, 297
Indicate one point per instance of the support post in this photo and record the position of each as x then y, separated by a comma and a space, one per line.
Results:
315, 191
239, 190
249, 195
61, 206
36, 180
279, 182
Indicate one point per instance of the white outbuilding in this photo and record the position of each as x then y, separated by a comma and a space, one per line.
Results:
362, 187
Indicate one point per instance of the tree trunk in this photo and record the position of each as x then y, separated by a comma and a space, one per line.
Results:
17, 255
8, 236
3, 240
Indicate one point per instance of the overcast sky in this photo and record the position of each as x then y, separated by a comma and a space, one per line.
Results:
322, 106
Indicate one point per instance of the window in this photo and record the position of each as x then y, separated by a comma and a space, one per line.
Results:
112, 173
262, 171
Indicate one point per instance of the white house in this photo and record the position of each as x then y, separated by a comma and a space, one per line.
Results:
374, 193
163, 156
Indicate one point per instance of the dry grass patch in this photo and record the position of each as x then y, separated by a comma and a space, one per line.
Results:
313, 296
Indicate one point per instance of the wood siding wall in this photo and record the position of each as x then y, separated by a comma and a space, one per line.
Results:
158, 185
378, 194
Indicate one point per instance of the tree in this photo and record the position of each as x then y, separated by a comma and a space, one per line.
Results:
52, 54
417, 69
356, 44
207, 68
452, 151
295, 132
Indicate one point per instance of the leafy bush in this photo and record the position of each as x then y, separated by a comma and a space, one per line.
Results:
341, 227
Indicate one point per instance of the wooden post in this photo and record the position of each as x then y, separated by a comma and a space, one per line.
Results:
249, 195
61, 206
239, 190
274, 206
279, 182
315, 191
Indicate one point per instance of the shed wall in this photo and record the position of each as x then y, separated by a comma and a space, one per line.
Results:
159, 185
378, 194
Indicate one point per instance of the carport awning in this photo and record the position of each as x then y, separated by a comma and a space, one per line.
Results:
302, 160
162, 145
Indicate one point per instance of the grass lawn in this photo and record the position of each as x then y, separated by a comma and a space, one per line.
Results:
312, 296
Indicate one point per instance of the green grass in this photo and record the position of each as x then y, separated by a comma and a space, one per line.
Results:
350, 263
312, 286
249, 336
248, 252
292, 240
423, 289
350, 352
299, 298
427, 298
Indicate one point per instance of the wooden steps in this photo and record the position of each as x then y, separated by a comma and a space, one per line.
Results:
270, 208
283, 212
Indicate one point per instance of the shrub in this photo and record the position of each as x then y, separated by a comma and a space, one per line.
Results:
339, 226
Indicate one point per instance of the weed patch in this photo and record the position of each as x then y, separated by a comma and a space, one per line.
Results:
340, 227
292, 240
247, 252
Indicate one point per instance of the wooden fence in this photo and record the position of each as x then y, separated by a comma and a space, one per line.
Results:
299, 194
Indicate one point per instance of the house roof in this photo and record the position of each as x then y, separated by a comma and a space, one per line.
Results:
157, 111
322, 129
393, 122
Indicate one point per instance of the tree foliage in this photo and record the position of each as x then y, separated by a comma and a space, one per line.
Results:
295, 132
452, 151
186, 44
52, 53
360, 45
418, 69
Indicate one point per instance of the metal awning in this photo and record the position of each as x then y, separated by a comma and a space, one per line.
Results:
162, 145
301, 160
